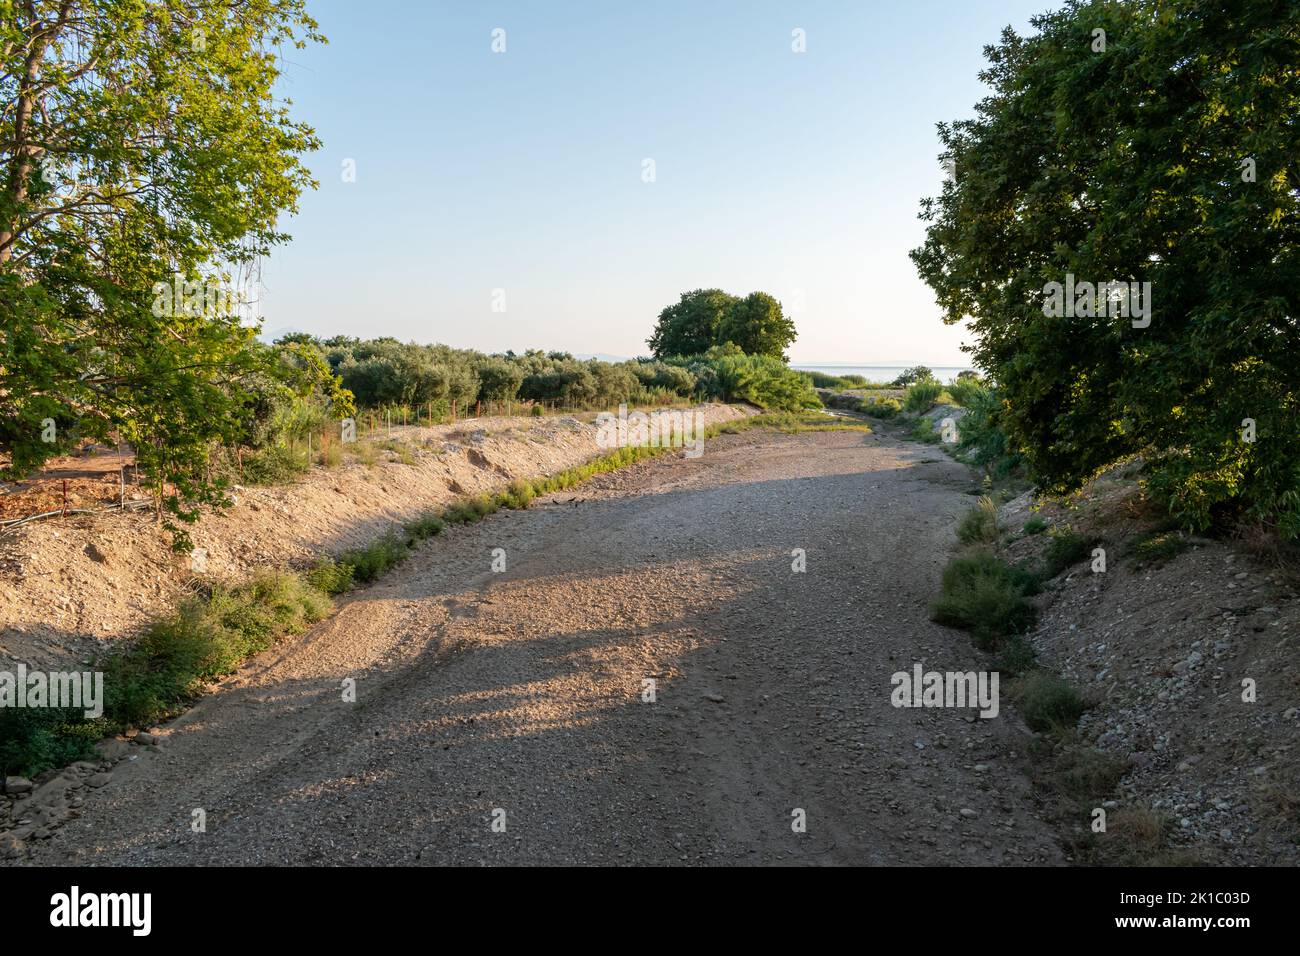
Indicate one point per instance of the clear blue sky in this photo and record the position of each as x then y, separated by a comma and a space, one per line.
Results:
797, 174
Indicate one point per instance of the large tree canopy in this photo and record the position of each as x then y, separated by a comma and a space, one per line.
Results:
141, 149
758, 325
690, 326
708, 317
1164, 150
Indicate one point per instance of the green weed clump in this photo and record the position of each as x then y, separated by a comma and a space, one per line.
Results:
1066, 549
881, 407
985, 596
202, 641
922, 395
980, 524
1047, 701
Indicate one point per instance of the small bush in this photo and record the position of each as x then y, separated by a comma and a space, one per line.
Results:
966, 391
1047, 701
1065, 550
883, 408
1157, 547
922, 395
367, 453
32, 740
403, 450
1035, 525
330, 577
331, 456
374, 559
537, 411
518, 495
425, 526
986, 597
1016, 657
923, 430
980, 524
274, 465
202, 641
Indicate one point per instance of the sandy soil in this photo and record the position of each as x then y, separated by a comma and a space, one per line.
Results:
522, 691
71, 587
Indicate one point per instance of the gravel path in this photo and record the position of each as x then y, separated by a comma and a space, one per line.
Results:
523, 690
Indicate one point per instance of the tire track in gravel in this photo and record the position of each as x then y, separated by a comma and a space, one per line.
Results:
522, 690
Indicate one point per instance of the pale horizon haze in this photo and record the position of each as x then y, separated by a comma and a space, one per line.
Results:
799, 174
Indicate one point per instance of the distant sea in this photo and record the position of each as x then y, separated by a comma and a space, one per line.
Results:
881, 373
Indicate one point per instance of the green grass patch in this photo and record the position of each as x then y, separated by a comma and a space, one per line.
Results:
1064, 550
1047, 701
980, 524
985, 596
1035, 525
922, 395
1156, 547
876, 406
1016, 656
923, 430
36, 739
274, 465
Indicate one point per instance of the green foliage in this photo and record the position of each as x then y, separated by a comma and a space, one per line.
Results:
982, 439
274, 465
425, 526
980, 524
1047, 702
35, 739
330, 577
985, 596
202, 641
1066, 549
369, 562
730, 375
966, 391
135, 166
1198, 97
518, 495
823, 380
705, 318
910, 376
923, 430
758, 325
1016, 656
1157, 547
878, 407
690, 326
1035, 525
922, 395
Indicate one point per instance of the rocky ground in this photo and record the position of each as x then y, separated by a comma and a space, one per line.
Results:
520, 697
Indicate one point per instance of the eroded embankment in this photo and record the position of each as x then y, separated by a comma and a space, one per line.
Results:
72, 588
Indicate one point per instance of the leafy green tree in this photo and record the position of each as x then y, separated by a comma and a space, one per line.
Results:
690, 326
141, 149
1161, 151
910, 376
758, 325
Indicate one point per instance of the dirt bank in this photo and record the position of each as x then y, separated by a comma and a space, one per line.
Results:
70, 587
